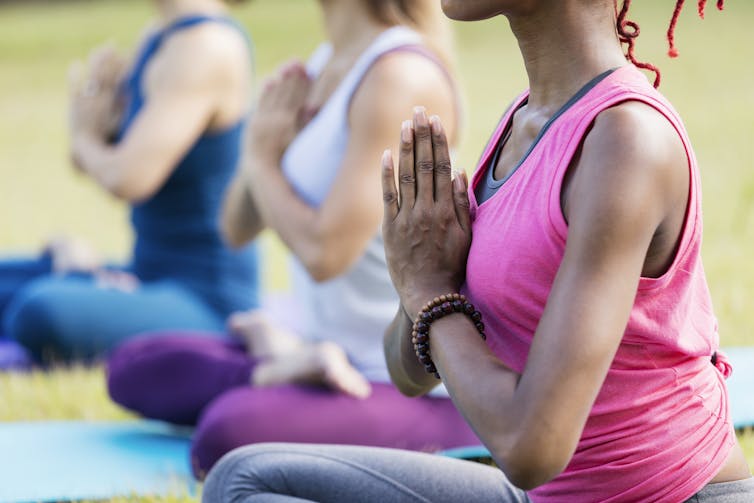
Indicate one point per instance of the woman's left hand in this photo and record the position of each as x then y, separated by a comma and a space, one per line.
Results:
278, 116
426, 226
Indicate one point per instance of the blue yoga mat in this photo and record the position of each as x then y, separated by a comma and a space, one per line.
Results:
54, 461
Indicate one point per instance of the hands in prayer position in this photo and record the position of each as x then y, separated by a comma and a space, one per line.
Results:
426, 226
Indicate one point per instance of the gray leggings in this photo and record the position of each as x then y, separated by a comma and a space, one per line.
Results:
287, 473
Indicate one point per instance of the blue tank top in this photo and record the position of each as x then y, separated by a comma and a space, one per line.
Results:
177, 234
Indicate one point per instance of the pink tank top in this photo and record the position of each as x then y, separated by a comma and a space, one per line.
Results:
660, 428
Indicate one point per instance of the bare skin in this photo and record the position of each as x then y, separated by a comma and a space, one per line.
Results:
330, 238
285, 358
624, 200
198, 82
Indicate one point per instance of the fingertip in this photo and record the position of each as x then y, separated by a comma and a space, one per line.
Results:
407, 131
387, 159
458, 184
436, 124
299, 67
420, 116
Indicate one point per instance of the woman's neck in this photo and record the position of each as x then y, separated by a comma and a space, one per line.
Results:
171, 10
565, 47
349, 25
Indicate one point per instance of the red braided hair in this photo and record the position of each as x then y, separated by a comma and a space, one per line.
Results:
629, 30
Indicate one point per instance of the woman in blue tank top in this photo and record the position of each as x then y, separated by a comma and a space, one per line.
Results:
171, 155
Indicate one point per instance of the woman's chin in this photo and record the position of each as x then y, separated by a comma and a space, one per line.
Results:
470, 10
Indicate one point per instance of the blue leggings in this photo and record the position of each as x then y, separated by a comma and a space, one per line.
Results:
71, 317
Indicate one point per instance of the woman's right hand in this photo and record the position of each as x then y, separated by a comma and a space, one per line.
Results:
279, 114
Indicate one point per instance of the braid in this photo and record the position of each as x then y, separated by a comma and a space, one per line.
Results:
628, 31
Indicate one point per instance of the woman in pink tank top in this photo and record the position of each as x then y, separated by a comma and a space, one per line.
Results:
600, 378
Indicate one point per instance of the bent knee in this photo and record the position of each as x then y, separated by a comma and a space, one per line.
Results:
32, 320
241, 473
232, 420
146, 375
122, 373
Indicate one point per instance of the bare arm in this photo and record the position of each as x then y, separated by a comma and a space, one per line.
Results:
622, 190
240, 221
187, 89
405, 372
329, 239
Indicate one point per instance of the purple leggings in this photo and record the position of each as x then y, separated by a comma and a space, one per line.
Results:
186, 379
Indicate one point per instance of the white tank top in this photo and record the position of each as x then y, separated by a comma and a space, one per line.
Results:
353, 309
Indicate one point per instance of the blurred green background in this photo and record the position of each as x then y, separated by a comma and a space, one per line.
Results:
711, 84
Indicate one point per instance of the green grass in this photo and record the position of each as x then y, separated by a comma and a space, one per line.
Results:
710, 84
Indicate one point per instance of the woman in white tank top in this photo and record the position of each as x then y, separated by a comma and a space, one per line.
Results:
313, 176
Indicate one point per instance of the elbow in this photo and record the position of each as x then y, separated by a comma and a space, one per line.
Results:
530, 476
321, 273
323, 263
530, 465
129, 190
405, 386
130, 195
231, 235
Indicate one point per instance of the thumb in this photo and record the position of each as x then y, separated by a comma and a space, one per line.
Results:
461, 200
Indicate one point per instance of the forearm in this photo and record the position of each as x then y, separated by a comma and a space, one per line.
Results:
241, 221
97, 159
406, 371
297, 223
487, 394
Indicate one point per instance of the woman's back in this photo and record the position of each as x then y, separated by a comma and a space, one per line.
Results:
176, 229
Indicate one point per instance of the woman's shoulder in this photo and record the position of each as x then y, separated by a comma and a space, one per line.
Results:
412, 74
203, 55
214, 42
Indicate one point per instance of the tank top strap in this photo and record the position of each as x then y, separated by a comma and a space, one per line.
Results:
131, 87
624, 85
392, 39
155, 41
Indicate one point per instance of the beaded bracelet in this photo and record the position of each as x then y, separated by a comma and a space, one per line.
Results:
439, 307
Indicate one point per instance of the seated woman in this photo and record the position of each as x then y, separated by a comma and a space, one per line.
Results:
174, 152
312, 176
601, 378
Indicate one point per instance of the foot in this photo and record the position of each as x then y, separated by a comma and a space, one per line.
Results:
323, 364
262, 338
72, 255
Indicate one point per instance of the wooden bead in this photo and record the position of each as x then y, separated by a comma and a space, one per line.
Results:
434, 310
